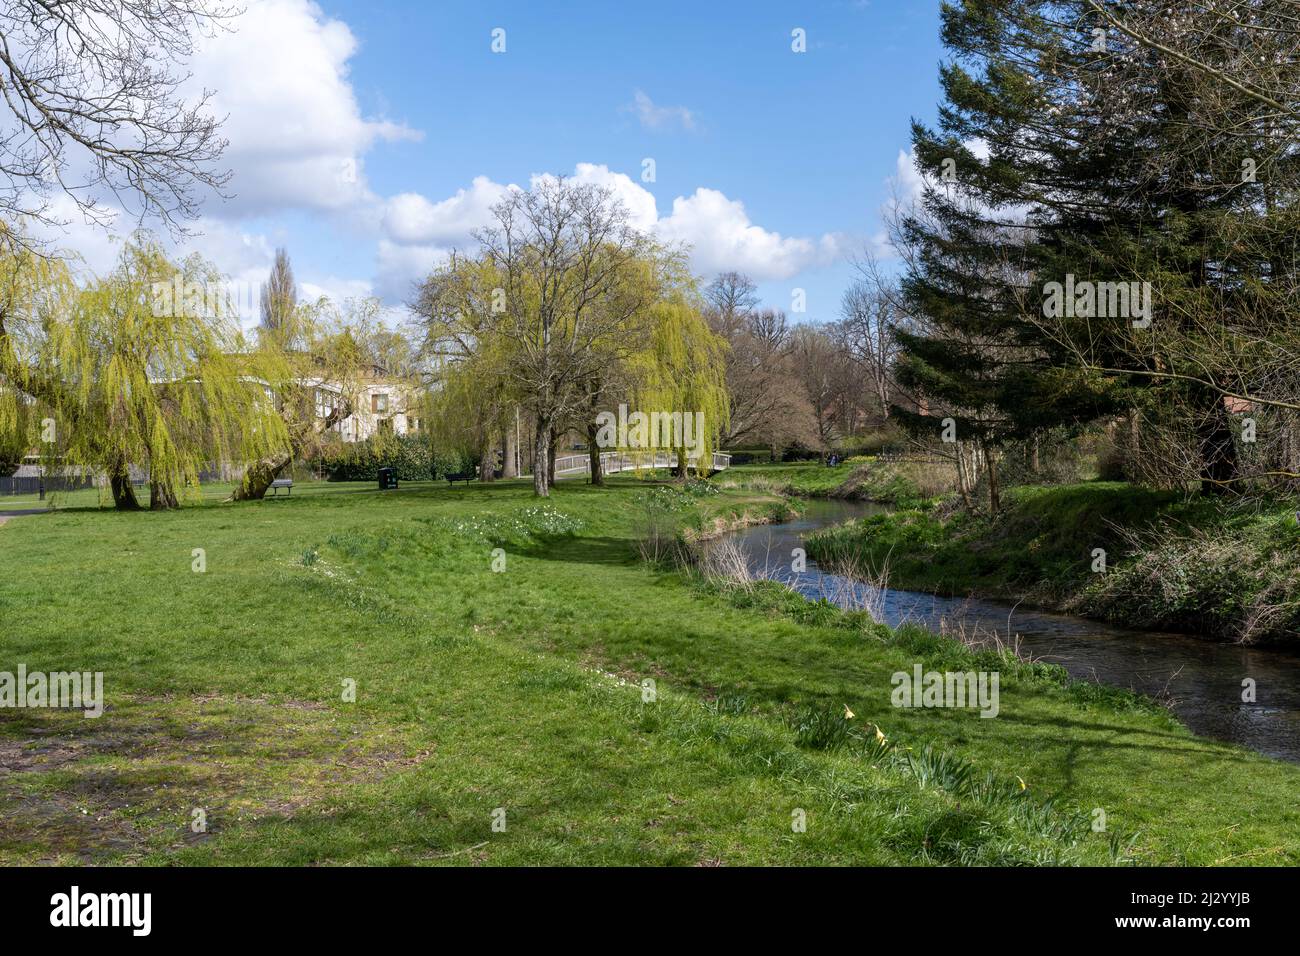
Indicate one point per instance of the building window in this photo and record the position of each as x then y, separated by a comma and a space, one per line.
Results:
379, 403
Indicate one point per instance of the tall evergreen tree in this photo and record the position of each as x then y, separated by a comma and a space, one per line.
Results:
983, 371
1067, 152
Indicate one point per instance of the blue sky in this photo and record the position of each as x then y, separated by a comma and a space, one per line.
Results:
781, 160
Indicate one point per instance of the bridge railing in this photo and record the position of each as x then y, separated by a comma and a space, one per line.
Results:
612, 462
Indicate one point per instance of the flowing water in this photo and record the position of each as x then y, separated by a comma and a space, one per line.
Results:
1203, 678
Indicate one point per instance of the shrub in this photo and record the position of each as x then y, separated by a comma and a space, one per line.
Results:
800, 453
1112, 463
411, 455
449, 461
749, 454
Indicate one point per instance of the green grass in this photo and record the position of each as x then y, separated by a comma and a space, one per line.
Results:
523, 690
216, 491
903, 483
810, 478
1227, 570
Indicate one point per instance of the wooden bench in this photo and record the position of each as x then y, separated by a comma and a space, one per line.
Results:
465, 476
285, 483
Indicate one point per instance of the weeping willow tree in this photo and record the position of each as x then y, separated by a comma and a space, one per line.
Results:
318, 358
34, 291
472, 404
13, 436
549, 284
466, 410
145, 367
476, 383
571, 347
684, 377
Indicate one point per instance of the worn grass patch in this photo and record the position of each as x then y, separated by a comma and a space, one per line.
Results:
143, 776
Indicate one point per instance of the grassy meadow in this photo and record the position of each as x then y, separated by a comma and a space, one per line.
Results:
503, 716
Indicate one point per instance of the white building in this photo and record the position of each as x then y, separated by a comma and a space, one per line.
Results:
379, 403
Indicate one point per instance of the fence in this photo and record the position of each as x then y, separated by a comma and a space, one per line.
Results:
898, 454
41, 486
613, 462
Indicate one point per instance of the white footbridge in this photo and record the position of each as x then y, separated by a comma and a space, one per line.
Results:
612, 462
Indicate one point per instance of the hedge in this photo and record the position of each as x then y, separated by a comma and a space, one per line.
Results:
410, 455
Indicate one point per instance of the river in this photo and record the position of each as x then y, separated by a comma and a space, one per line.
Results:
1203, 678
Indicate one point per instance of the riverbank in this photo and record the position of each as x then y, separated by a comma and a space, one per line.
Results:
352, 680
901, 483
1109, 550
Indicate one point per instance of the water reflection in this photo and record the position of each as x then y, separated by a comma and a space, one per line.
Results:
1204, 678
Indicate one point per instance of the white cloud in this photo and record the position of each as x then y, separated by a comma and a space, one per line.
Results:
907, 183
907, 187
418, 233
92, 243
657, 117
639, 201
722, 237
296, 132
234, 250
411, 219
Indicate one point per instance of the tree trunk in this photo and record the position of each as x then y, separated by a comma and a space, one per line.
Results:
162, 496
541, 456
124, 498
487, 460
593, 453
1132, 453
258, 478
510, 467
550, 457
963, 481
995, 497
